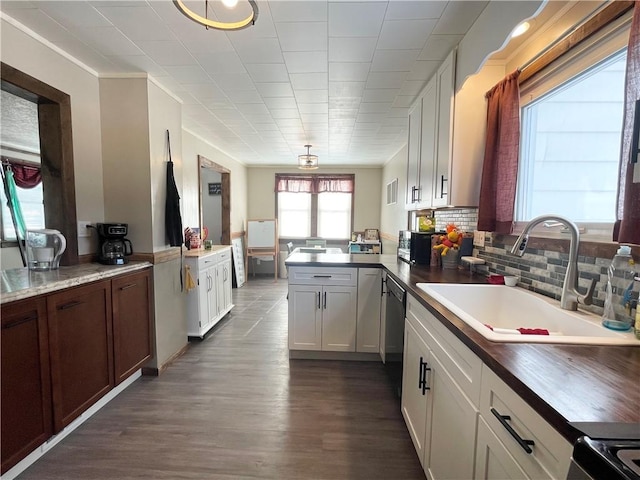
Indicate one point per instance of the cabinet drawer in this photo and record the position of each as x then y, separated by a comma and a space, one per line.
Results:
323, 276
463, 365
207, 261
550, 452
222, 255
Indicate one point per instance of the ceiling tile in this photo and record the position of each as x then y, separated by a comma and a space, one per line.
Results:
346, 89
312, 96
254, 109
404, 101
309, 81
412, 87
110, 41
375, 107
137, 23
284, 113
349, 72
423, 70
299, 11
380, 94
267, 50
386, 79
356, 19
167, 53
244, 96
140, 63
394, 60
459, 16
405, 34
302, 36
306, 62
233, 81
221, 62
274, 103
188, 74
79, 14
205, 91
268, 72
275, 89
411, 10
344, 49
313, 108
439, 46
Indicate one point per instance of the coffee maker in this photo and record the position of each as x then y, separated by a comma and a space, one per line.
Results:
113, 248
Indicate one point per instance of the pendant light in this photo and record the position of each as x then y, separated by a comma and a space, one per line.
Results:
307, 161
209, 23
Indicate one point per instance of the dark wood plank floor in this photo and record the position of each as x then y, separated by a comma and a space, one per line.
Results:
234, 406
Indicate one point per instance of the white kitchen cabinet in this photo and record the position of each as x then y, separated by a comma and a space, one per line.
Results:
210, 301
429, 130
369, 308
413, 159
440, 395
415, 399
383, 318
322, 308
520, 436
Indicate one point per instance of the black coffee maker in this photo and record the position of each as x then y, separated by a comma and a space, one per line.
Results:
113, 248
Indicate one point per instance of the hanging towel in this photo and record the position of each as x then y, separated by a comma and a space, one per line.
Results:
14, 204
190, 283
172, 218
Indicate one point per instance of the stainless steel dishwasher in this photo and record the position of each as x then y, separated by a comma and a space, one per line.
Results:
394, 333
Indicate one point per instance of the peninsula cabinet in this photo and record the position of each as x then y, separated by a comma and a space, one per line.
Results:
323, 308
369, 308
80, 342
26, 381
132, 297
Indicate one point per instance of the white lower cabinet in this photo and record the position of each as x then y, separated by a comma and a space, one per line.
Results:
369, 308
211, 299
322, 308
518, 435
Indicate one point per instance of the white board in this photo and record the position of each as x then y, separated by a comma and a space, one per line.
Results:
261, 234
238, 260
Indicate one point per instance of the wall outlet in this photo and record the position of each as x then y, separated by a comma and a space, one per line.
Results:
478, 238
83, 228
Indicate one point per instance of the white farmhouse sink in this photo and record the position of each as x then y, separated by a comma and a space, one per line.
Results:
512, 308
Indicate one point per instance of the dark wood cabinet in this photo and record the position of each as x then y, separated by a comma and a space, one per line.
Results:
25, 384
80, 343
132, 314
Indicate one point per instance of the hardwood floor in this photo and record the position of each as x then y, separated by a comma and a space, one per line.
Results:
234, 406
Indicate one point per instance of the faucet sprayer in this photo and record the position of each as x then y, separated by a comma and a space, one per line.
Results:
570, 295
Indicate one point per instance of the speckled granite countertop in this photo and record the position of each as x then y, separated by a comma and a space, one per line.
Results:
201, 252
21, 283
565, 384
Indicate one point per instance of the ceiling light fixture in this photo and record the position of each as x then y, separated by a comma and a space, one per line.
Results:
520, 29
207, 22
307, 161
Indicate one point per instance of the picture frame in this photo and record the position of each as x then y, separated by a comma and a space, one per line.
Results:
371, 234
215, 188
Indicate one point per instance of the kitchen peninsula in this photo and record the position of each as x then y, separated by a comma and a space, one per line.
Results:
545, 389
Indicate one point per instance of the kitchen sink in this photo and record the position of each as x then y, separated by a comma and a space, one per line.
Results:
507, 309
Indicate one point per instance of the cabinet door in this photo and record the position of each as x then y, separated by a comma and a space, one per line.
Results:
413, 162
451, 428
369, 299
339, 313
383, 317
26, 386
132, 317
219, 282
493, 460
305, 317
212, 298
446, 86
226, 282
80, 342
428, 143
414, 389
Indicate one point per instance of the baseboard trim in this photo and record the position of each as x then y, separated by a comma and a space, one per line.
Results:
53, 441
156, 371
349, 356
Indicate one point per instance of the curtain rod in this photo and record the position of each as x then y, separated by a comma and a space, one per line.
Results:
575, 27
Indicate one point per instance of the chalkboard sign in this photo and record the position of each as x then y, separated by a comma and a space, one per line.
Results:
215, 188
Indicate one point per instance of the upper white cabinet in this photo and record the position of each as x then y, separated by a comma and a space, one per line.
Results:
431, 139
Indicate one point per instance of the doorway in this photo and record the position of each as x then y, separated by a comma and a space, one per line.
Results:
215, 200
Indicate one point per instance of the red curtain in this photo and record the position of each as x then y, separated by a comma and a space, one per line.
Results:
500, 168
627, 227
314, 183
25, 176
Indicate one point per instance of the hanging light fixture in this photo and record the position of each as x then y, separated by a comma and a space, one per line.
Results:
307, 161
208, 23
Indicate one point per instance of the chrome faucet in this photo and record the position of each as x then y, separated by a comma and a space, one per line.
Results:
570, 295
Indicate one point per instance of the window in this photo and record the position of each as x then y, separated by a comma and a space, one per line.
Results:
314, 206
571, 126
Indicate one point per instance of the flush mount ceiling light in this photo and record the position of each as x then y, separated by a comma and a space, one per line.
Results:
520, 29
307, 161
207, 22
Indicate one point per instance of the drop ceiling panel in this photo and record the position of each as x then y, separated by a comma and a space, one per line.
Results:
340, 74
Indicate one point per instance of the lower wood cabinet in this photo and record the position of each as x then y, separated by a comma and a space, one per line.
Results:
132, 298
63, 351
26, 383
80, 341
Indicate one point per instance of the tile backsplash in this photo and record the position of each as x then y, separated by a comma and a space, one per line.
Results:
541, 271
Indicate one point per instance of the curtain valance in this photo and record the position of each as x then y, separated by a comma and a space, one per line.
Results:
314, 183
25, 176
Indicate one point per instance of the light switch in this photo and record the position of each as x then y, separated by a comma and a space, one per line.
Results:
478, 238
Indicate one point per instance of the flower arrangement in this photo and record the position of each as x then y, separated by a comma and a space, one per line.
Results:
451, 240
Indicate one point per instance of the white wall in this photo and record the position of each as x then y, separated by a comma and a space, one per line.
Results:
38, 60
368, 188
192, 146
394, 218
